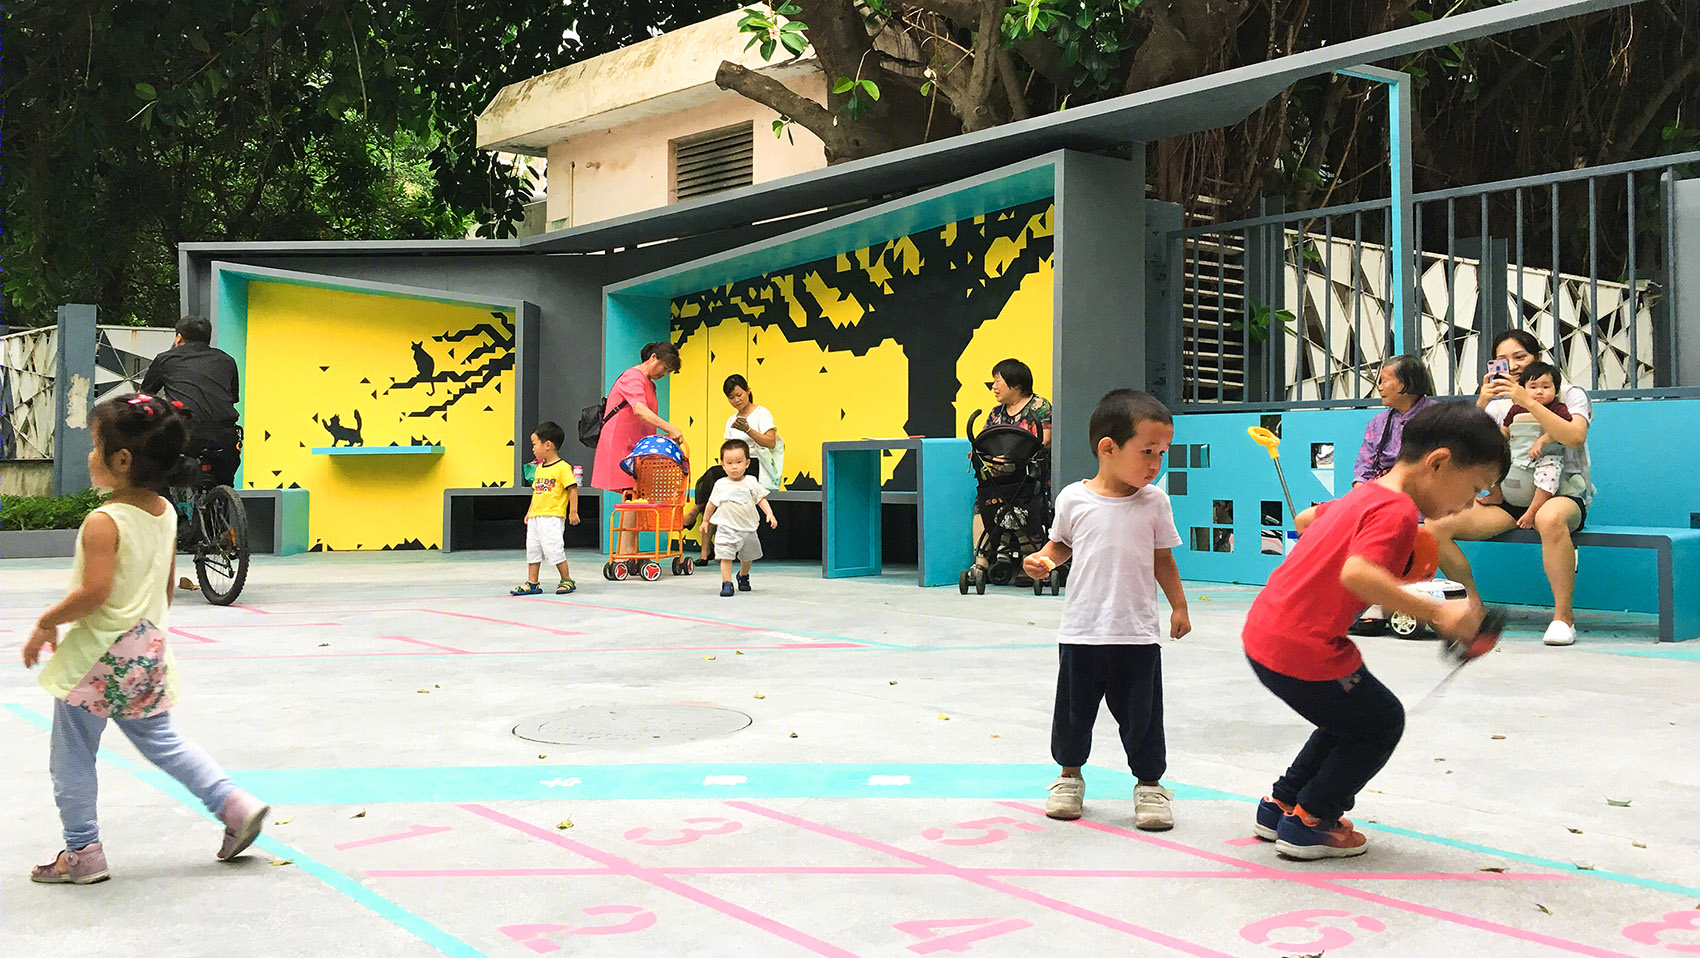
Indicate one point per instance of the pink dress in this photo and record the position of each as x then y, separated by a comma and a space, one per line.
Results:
623, 430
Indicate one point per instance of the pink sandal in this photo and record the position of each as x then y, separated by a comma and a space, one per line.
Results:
243, 816
83, 866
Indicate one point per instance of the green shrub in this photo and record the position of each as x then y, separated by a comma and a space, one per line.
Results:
20, 513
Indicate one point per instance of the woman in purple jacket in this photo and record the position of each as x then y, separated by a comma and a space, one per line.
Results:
1405, 387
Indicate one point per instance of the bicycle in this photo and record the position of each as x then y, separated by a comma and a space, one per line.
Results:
214, 527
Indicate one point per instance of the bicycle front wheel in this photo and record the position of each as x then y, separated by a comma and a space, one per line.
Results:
221, 557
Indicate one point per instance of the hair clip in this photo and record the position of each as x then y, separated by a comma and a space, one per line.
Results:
144, 401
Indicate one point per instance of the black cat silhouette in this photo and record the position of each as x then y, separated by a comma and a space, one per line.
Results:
341, 433
427, 367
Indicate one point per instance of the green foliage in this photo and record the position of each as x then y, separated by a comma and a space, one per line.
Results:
28, 513
1261, 318
1092, 35
772, 28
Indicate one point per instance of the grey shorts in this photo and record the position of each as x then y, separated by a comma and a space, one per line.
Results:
735, 545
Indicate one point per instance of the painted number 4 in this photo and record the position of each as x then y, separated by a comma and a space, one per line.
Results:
1653, 932
932, 932
534, 936
988, 834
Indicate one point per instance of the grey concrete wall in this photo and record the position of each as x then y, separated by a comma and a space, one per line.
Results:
1099, 300
1685, 276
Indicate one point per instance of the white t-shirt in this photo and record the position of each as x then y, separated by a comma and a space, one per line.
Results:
760, 422
1576, 462
735, 503
1112, 586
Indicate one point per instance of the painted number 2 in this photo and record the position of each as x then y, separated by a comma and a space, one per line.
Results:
1328, 937
534, 936
1651, 932
988, 834
719, 826
933, 937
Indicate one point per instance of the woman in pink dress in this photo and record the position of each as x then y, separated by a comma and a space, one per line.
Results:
631, 413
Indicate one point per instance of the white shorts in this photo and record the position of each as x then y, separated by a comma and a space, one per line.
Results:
735, 545
545, 539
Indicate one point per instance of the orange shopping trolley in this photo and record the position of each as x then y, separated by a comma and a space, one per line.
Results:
652, 512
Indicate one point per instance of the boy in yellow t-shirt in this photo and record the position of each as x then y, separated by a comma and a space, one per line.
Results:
554, 503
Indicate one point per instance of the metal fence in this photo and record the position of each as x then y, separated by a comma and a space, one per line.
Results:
1295, 307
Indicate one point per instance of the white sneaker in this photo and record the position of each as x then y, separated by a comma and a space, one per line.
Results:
1067, 794
1151, 809
1560, 633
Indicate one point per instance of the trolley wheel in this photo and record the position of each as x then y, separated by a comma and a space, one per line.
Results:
651, 571
689, 566
608, 571
1404, 625
963, 582
621, 573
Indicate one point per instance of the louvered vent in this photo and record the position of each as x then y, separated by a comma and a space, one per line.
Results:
713, 161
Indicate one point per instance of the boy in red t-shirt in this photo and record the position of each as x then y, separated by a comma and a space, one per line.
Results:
1350, 557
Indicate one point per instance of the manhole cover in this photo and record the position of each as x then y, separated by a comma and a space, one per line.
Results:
631, 724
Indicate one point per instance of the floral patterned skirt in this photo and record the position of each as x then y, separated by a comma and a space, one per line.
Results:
129, 680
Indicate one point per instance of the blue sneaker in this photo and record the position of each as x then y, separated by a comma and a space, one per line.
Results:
1304, 836
1269, 812
726, 589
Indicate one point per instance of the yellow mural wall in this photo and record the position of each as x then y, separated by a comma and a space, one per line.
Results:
886, 341
328, 367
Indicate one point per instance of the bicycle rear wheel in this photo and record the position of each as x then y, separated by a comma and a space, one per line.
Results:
221, 557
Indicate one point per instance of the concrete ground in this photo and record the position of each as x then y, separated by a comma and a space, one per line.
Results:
884, 798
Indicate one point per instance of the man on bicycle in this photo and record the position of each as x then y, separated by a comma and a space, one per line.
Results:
204, 379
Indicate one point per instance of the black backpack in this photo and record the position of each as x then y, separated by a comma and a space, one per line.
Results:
593, 417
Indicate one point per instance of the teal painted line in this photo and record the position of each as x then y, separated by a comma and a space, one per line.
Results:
384, 908
1636, 880
1681, 653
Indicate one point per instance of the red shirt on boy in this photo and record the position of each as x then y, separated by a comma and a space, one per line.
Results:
1297, 625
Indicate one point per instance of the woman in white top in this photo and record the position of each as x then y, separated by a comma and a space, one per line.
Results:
753, 425
1559, 517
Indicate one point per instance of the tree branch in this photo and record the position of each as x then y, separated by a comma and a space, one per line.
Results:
783, 100
1011, 89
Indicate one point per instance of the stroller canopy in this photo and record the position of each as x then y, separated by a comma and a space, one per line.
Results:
652, 446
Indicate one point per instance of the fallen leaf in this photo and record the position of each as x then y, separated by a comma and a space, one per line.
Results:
424, 691
709, 658
324, 645
187, 583
283, 861
283, 821
943, 717
1440, 759
1031, 622
793, 734
892, 682
1618, 802
759, 696
1574, 831
1375, 790
1496, 869
565, 824
1584, 866
736, 652
359, 814
1644, 845
541, 755
1499, 738
1544, 909
994, 735
435, 686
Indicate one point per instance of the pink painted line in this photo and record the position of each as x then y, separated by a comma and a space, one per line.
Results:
485, 618
429, 645
485, 872
413, 831
263, 625
1014, 891
1323, 882
658, 648
1248, 840
190, 635
665, 615
681, 889
918, 870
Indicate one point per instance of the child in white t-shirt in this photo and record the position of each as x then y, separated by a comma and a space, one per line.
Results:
1119, 529
735, 507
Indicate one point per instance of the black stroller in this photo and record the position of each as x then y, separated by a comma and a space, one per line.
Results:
1012, 470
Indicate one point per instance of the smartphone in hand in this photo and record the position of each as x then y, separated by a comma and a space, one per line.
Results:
1499, 367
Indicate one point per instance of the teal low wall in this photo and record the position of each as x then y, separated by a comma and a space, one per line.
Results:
1644, 465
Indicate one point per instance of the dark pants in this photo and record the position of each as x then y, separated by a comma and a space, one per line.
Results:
219, 448
1127, 678
1358, 723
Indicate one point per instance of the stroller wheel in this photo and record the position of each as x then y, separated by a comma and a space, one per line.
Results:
608, 571
1056, 580
979, 581
1002, 573
651, 571
962, 582
676, 569
1039, 586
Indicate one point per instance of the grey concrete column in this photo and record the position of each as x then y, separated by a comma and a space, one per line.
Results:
1682, 338
73, 394
1164, 271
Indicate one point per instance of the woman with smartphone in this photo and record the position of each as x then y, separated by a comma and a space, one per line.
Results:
1560, 516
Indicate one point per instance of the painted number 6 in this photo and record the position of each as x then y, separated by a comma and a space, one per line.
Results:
987, 835
533, 936
1649, 932
1328, 939
723, 826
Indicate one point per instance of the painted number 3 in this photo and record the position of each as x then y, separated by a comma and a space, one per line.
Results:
719, 826
987, 835
535, 936
1328, 937
1651, 932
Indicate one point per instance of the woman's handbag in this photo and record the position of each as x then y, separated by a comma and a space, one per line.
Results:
772, 471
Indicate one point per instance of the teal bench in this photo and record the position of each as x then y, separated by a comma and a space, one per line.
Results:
277, 520
1678, 553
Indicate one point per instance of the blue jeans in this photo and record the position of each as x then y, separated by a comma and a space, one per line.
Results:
76, 739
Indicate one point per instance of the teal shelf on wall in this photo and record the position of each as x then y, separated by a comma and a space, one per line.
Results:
377, 450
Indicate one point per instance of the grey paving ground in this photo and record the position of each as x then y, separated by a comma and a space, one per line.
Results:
881, 801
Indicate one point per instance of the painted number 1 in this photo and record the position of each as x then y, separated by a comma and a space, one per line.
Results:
933, 937
987, 835
1328, 937
534, 936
